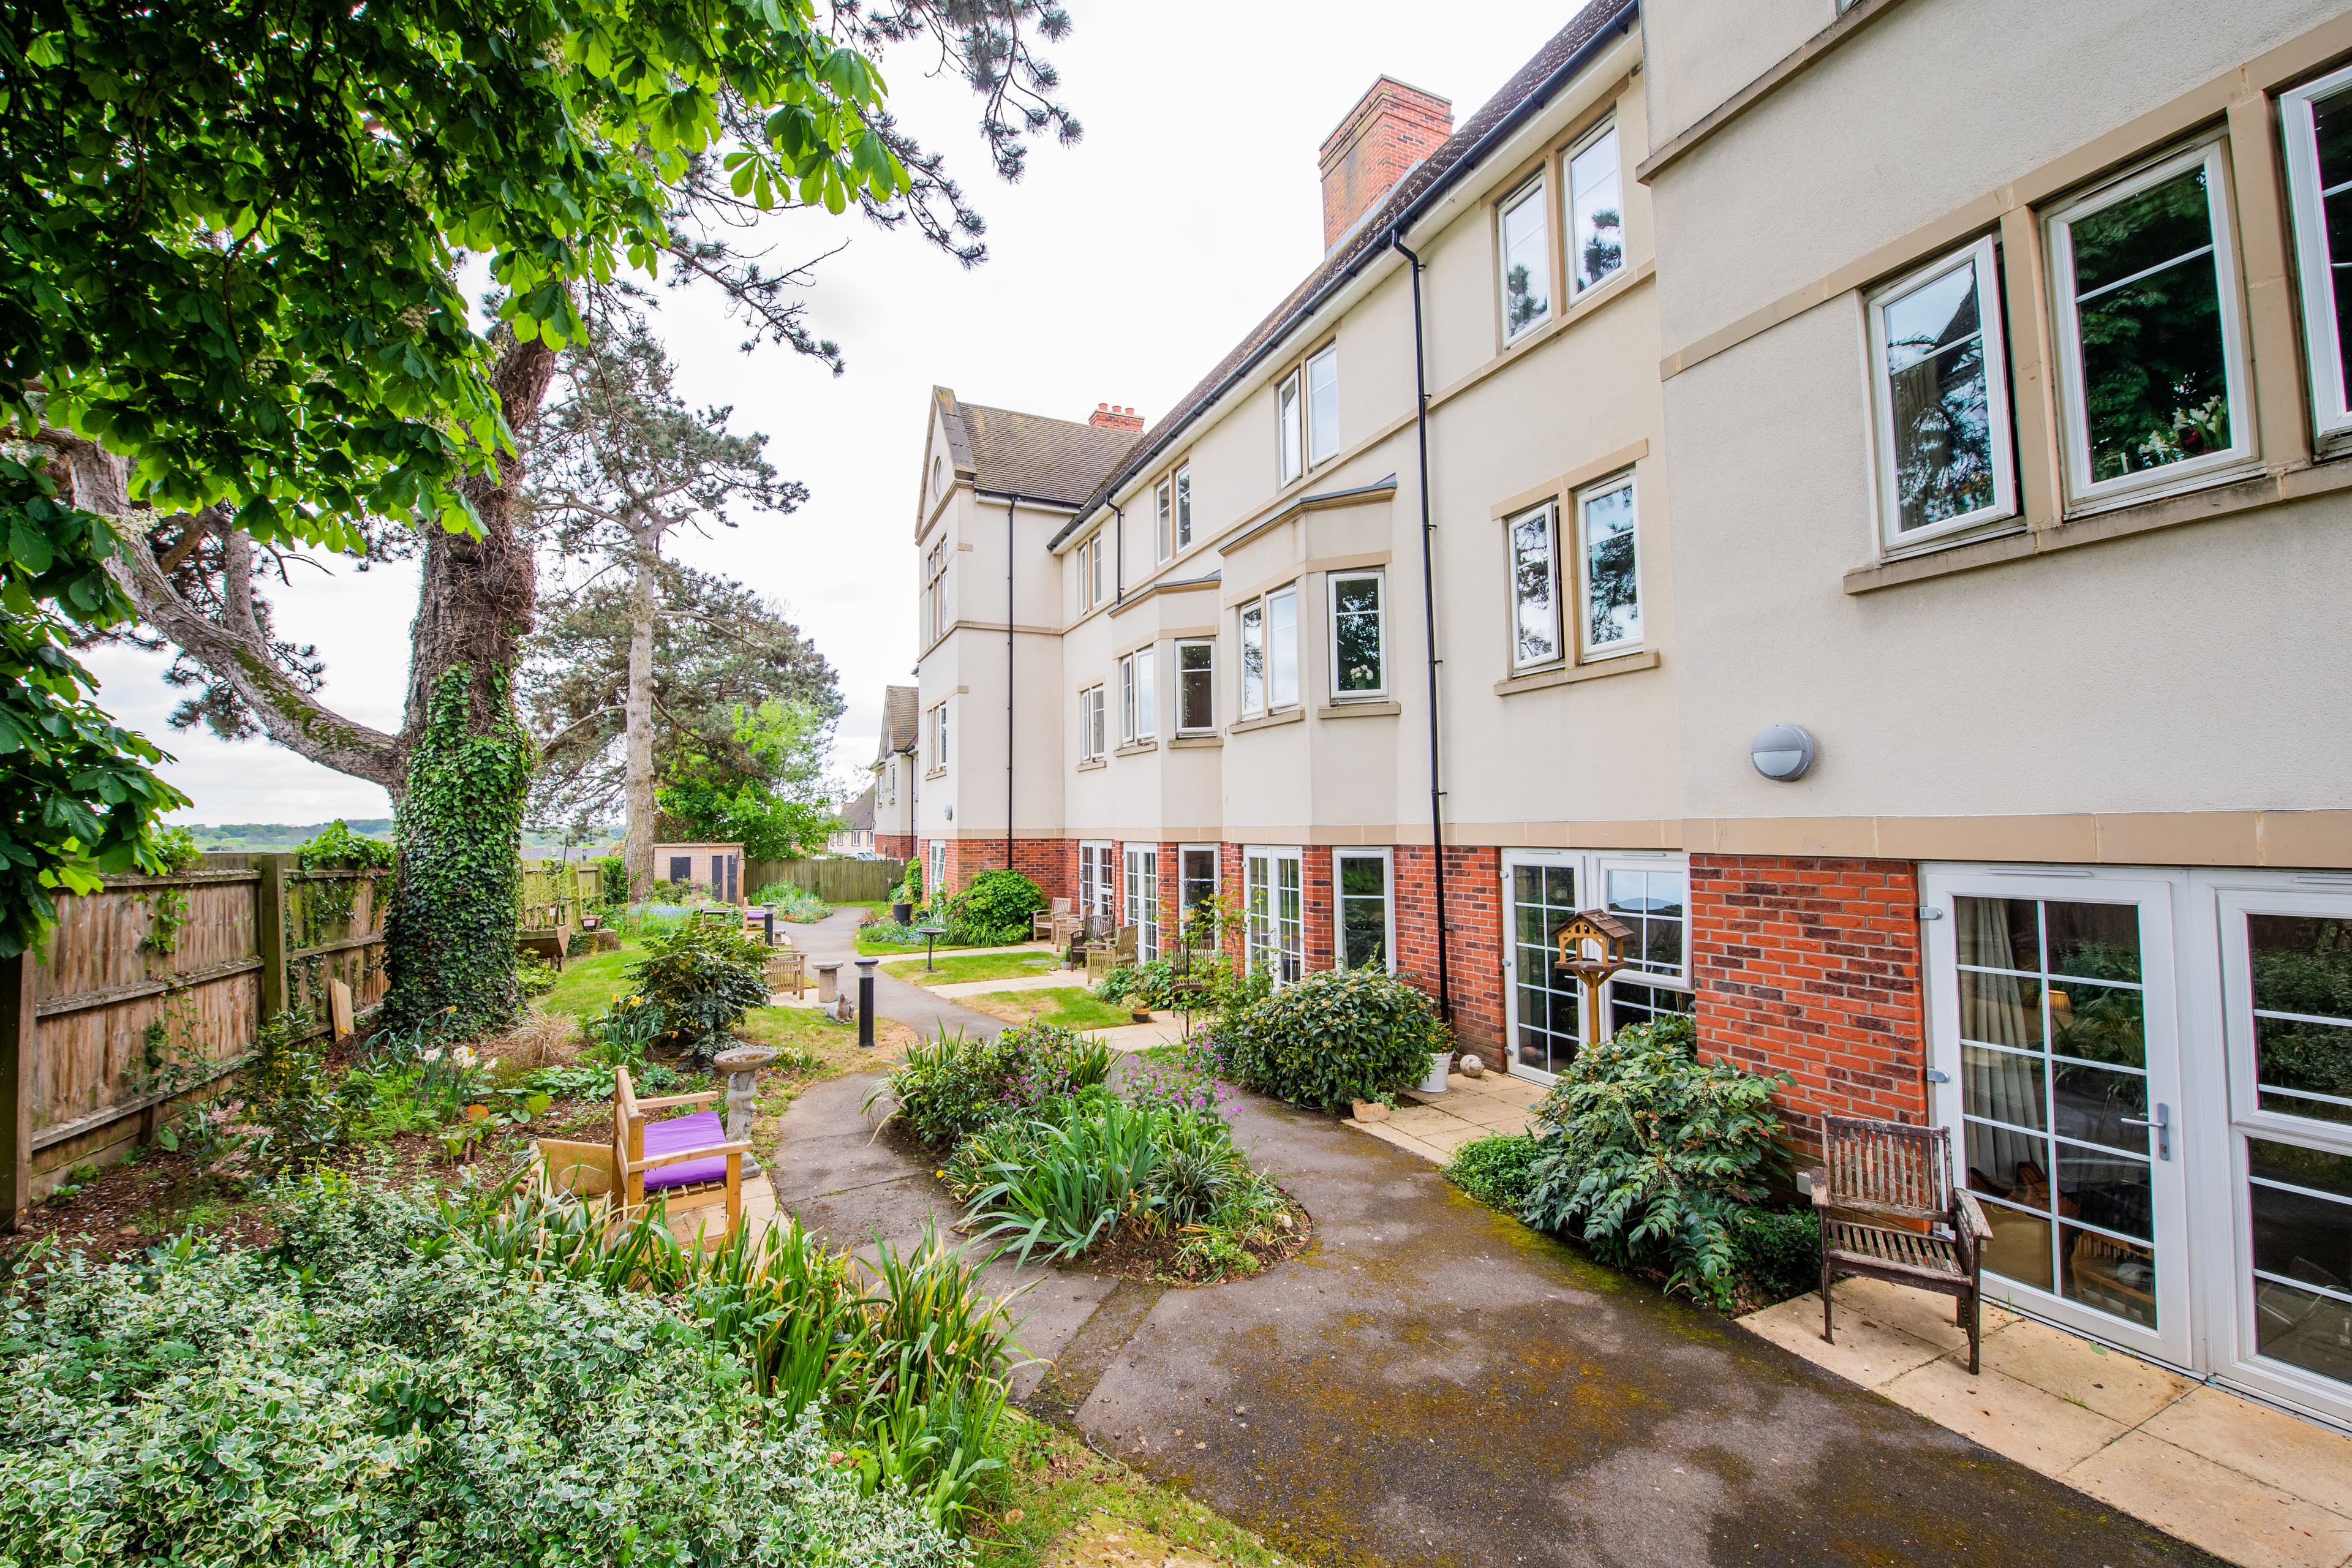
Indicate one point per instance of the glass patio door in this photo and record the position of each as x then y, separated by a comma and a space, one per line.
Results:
1143, 899
1272, 889
1546, 1008
2286, 1015
2054, 1057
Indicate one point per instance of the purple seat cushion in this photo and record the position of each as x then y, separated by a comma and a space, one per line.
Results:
701, 1129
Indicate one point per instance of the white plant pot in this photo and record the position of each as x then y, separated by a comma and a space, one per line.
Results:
1435, 1083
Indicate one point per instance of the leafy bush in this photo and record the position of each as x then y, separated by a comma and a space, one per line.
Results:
287, 1094
612, 880
1779, 1252
1153, 986
909, 890
954, 1085
338, 848
890, 933
1658, 1155
1500, 1172
792, 902
1337, 1036
478, 1386
994, 911
704, 975
534, 976
620, 1036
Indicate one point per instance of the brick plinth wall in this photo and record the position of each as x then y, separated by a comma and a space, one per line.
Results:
1051, 863
895, 846
1474, 925
1811, 966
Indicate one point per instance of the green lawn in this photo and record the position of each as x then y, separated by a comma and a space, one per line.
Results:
1064, 1007
588, 984
1015, 965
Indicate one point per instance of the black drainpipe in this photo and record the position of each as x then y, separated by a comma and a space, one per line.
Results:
1118, 553
1429, 626
1011, 502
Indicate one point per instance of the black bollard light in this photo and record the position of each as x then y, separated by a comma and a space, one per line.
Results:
866, 1003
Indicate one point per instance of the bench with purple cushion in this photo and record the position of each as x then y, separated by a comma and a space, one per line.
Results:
682, 1134
676, 1156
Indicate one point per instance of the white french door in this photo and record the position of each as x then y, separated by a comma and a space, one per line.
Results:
2054, 1057
1095, 879
1545, 1008
1274, 896
1143, 899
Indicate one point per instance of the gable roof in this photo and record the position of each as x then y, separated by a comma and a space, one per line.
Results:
857, 816
1450, 160
900, 728
1028, 454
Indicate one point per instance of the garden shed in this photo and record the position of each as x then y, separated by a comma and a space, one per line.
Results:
716, 869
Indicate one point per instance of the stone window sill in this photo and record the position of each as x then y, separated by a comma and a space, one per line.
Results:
1623, 664
1189, 741
1361, 711
936, 773
1136, 748
1091, 764
1267, 721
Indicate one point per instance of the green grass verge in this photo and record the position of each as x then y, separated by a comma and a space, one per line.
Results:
1059, 1502
1015, 965
589, 984
1064, 1007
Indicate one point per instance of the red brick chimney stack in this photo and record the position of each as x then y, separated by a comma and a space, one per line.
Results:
1392, 128
1107, 417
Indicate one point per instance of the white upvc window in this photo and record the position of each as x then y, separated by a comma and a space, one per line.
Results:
1532, 538
2317, 119
1290, 428
1524, 247
1196, 881
1196, 686
1323, 406
1274, 911
890, 782
1184, 506
1364, 896
1164, 505
1090, 724
940, 736
1596, 211
935, 590
1609, 563
1143, 868
1252, 657
1939, 390
1090, 572
2151, 353
938, 883
1095, 877
1359, 664
1137, 707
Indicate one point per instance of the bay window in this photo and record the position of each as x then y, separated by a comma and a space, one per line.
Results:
1612, 618
1136, 706
2317, 119
1358, 651
1526, 251
2150, 364
1939, 386
1196, 685
1270, 652
1535, 586
1596, 212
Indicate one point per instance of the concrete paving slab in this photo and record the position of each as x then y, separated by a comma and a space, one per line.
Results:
2229, 1513
2118, 1386
2014, 1419
1866, 1351
2306, 1460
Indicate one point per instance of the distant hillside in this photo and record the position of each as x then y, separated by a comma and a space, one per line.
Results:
261, 837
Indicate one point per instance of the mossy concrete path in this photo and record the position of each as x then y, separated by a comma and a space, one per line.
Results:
1432, 1383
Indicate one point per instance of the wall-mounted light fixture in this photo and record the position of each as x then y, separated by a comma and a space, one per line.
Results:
951, 814
1781, 752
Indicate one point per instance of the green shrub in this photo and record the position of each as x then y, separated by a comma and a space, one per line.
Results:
792, 902
909, 890
1658, 1157
1500, 1172
620, 1036
994, 911
534, 975
1337, 1036
954, 1085
338, 848
1779, 1252
390, 1385
1153, 986
704, 975
612, 880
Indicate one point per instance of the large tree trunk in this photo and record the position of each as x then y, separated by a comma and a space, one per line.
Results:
451, 940
645, 603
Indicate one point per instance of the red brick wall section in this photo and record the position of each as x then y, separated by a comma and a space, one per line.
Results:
895, 846
1811, 966
1316, 897
1229, 881
1474, 929
1051, 863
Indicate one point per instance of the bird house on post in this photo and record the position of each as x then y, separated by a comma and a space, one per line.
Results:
1591, 944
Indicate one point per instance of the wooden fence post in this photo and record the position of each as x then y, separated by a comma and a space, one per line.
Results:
19, 1050
269, 932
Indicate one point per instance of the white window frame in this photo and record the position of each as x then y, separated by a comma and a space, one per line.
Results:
1266, 938
1322, 435
1536, 190
1211, 644
1139, 717
938, 881
2083, 493
1139, 897
2331, 398
1276, 702
1387, 858
1588, 651
1163, 499
1577, 286
2003, 510
1090, 724
1216, 874
1290, 425
1559, 642
1183, 507
1098, 861
1381, 624
1250, 615
935, 589
940, 737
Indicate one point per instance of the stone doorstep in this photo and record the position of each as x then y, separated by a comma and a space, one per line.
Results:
2246, 1483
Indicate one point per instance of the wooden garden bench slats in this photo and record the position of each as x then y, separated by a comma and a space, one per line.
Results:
1934, 1231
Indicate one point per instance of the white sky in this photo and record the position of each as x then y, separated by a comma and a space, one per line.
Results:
1120, 271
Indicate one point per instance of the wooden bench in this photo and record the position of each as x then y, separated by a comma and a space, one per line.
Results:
1911, 1223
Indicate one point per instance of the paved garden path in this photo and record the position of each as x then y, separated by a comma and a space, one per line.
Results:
835, 937
1432, 1384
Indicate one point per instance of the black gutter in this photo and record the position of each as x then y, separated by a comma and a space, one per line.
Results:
1429, 629
1500, 131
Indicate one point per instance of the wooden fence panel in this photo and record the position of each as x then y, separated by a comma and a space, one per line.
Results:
835, 881
325, 941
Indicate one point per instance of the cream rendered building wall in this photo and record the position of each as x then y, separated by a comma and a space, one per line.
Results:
2196, 668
